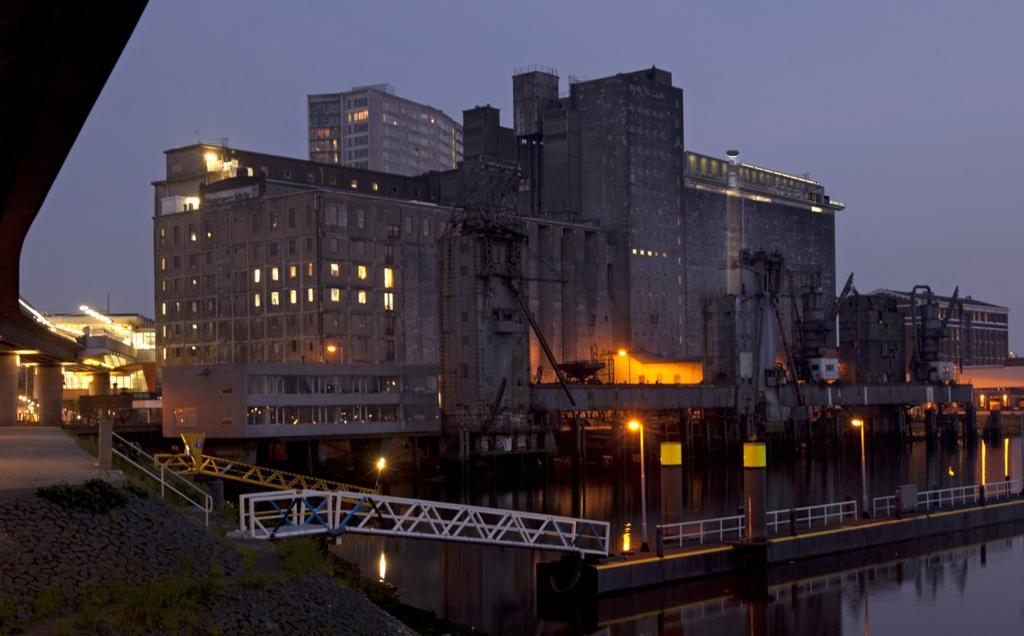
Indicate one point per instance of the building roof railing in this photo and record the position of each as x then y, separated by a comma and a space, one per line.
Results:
534, 68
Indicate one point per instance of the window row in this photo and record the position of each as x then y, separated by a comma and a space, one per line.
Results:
346, 414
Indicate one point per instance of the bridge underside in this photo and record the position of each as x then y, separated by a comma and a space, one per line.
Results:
647, 397
55, 58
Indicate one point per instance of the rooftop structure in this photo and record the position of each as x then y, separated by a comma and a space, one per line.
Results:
370, 127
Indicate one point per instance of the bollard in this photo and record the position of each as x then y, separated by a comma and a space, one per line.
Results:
755, 490
671, 457
217, 493
106, 429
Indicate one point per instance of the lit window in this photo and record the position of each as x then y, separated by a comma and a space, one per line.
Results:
389, 301
256, 300
361, 297
275, 273
163, 264
256, 275
374, 186
309, 294
335, 270
309, 269
634, 251
359, 115
195, 327
354, 184
275, 298
192, 236
293, 271
389, 278
293, 296
361, 272
163, 309
335, 295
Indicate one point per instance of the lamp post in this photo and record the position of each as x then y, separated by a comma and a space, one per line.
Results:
858, 423
381, 463
637, 426
629, 365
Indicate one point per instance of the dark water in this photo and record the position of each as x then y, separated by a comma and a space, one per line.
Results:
947, 591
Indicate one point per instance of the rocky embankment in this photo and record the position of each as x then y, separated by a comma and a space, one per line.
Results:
121, 561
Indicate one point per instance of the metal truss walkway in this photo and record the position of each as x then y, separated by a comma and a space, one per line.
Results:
293, 513
219, 467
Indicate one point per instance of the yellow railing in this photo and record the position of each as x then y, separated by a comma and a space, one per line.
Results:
247, 473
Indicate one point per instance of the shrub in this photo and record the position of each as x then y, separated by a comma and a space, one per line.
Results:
95, 496
302, 556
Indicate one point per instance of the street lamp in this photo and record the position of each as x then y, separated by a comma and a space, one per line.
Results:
381, 463
858, 423
637, 426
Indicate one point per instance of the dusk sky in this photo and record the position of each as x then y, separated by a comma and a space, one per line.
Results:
908, 112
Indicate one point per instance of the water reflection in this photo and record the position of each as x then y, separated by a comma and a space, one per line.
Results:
492, 588
954, 591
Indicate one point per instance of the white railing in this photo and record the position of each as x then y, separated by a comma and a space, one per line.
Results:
883, 506
949, 497
807, 516
289, 513
703, 531
1002, 489
168, 479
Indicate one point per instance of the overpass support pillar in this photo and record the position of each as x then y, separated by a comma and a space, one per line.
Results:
100, 384
8, 389
49, 392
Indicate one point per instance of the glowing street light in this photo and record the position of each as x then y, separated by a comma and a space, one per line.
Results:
381, 463
858, 423
634, 426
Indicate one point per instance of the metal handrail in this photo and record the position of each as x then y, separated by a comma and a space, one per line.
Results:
289, 513
884, 504
949, 497
144, 462
808, 515
700, 530
960, 495
223, 468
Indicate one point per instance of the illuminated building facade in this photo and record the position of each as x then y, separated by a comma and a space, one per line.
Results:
265, 260
372, 128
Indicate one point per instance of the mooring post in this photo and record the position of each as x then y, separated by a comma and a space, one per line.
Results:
106, 429
671, 460
755, 490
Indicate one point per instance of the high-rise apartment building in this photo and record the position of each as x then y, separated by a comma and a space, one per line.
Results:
372, 128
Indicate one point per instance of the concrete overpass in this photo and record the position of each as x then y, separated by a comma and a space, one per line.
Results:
55, 58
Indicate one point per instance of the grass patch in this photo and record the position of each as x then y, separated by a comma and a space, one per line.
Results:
302, 556
163, 602
248, 554
95, 496
49, 602
8, 609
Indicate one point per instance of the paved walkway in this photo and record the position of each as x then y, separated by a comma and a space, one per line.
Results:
33, 456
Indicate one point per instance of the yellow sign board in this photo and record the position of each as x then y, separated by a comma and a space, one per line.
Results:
671, 454
754, 455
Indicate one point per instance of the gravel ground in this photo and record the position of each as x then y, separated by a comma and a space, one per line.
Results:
45, 548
